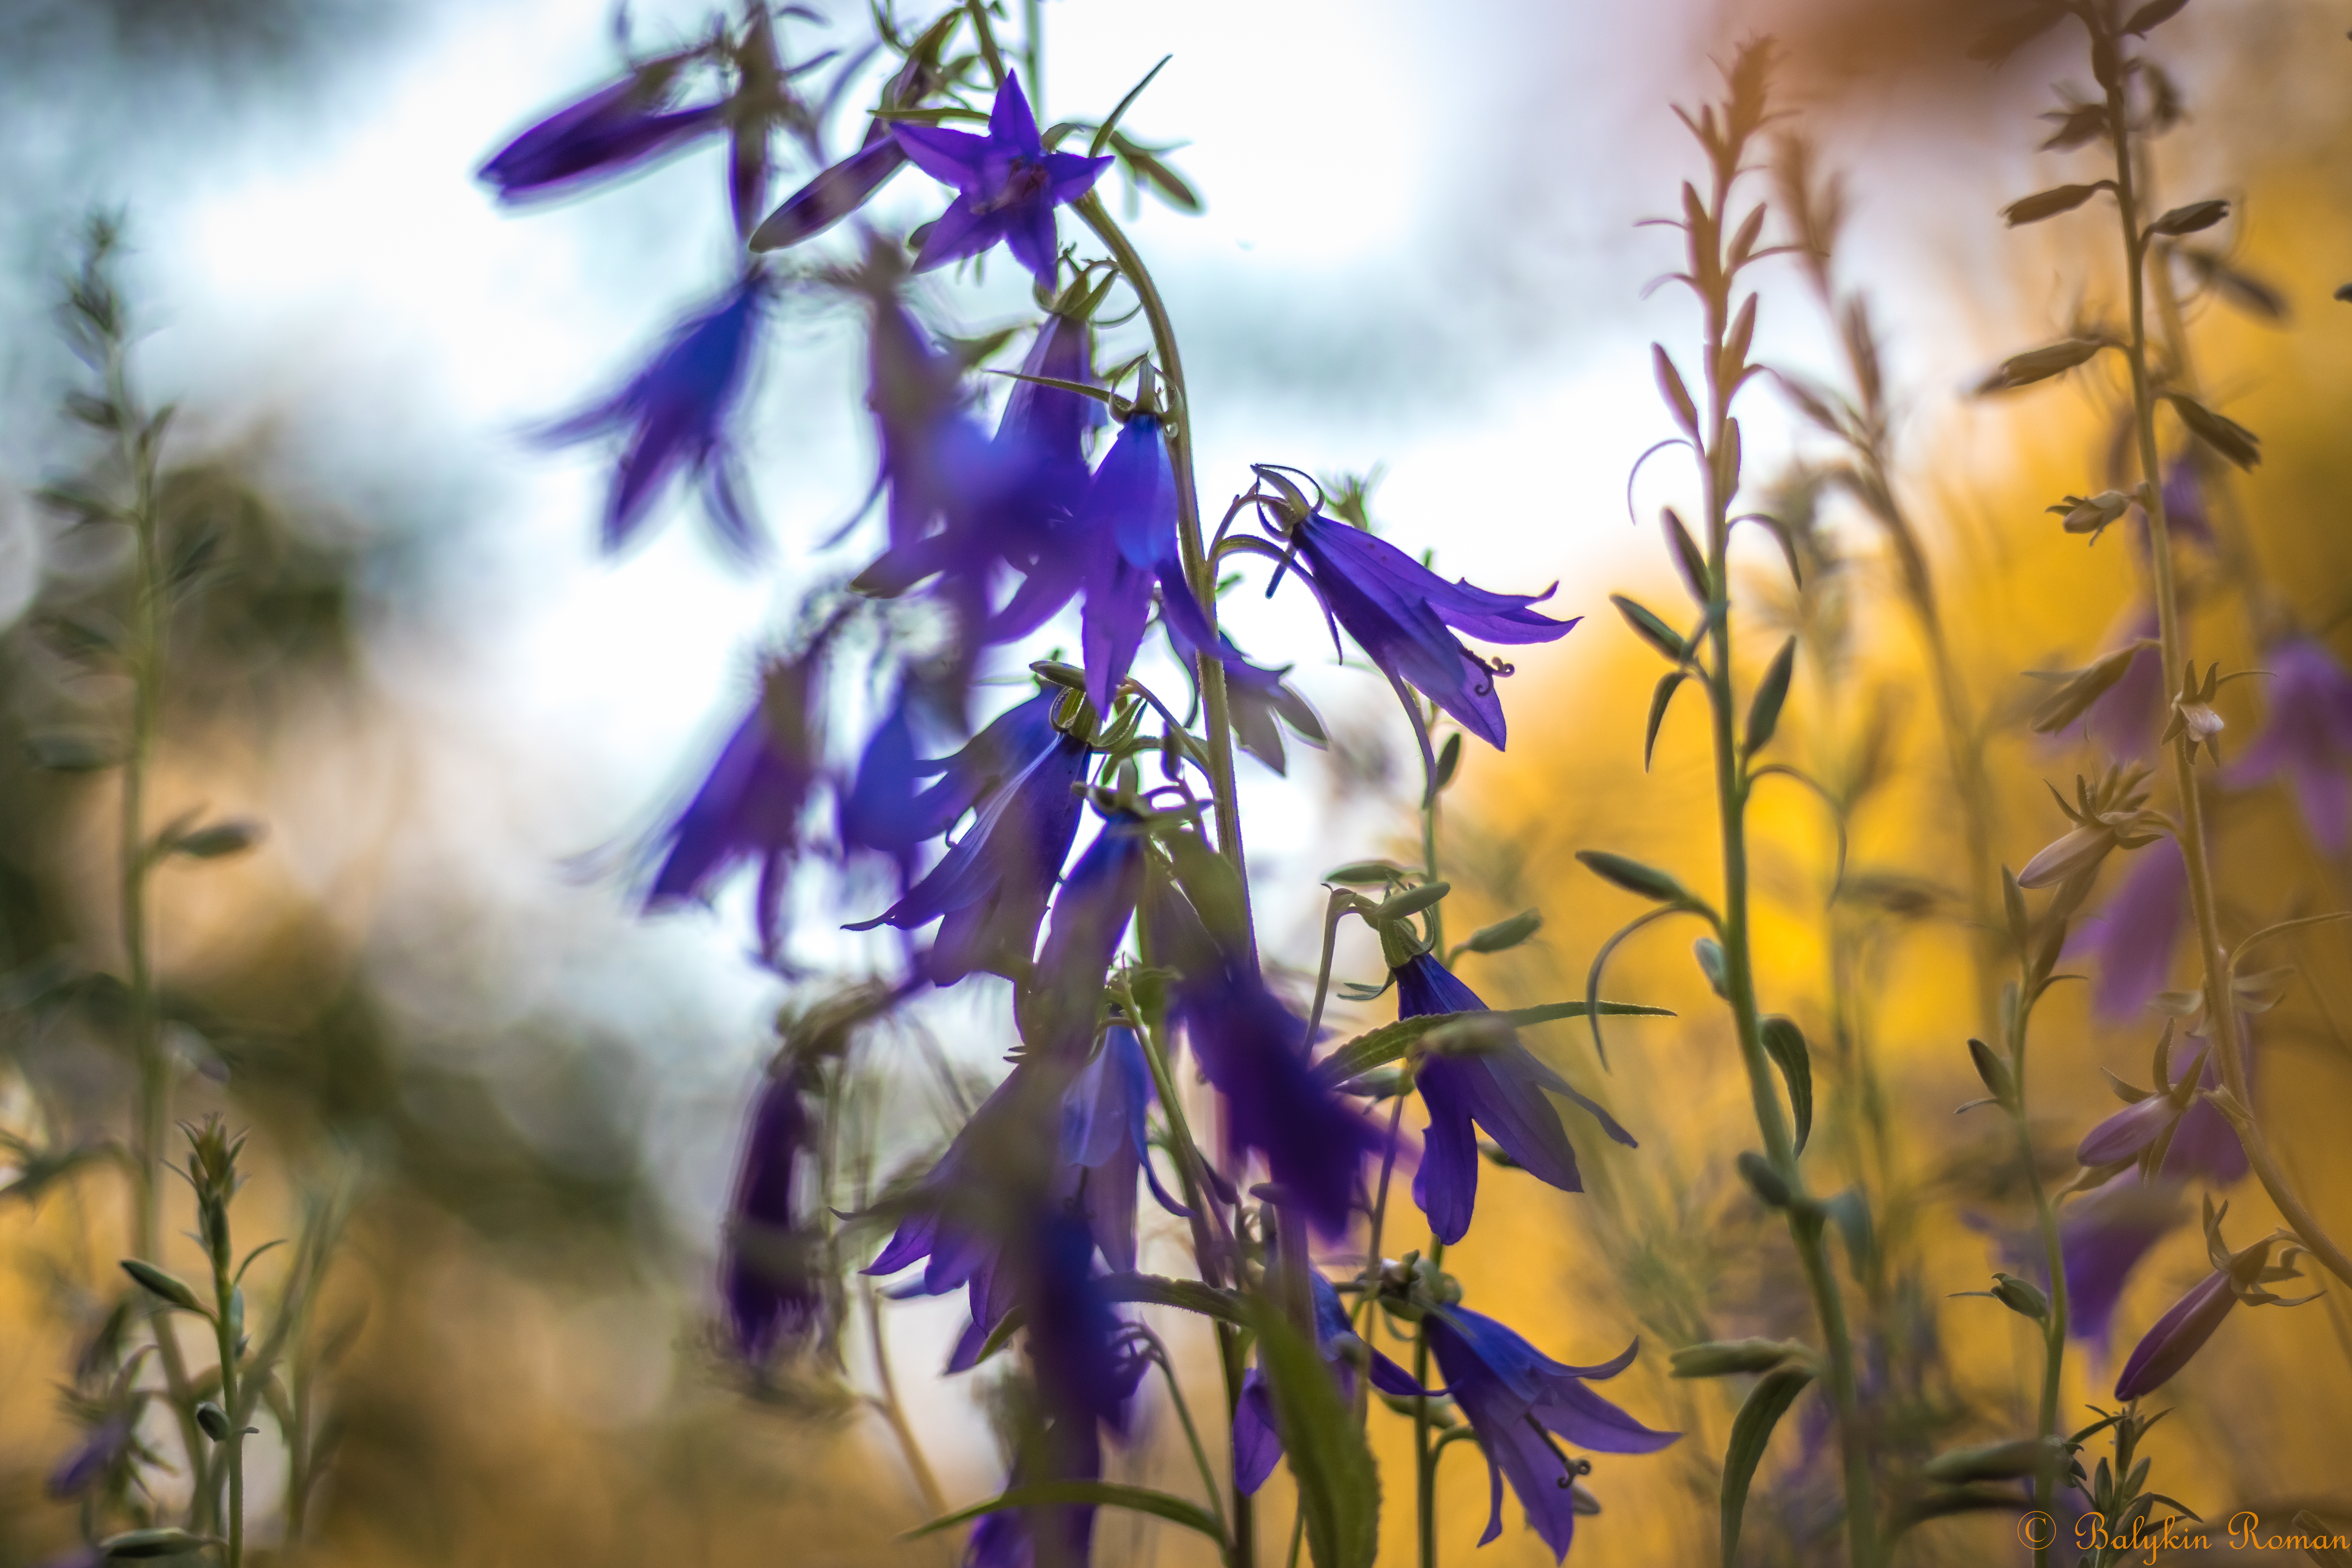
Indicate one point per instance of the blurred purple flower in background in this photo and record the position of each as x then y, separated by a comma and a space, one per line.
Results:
2308, 738
2124, 721
2102, 1238
1501, 1088
1399, 612
1007, 186
836, 193
91, 1459
751, 805
1516, 1398
676, 411
768, 1279
1106, 1145
606, 134
2132, 940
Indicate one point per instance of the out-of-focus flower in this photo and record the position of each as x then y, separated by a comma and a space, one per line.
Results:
607, 133
2204, 1145
771, 1290
678, 410
2202, 1142
1257, 1442
1500, 1085
1106, 1146
1007, 186
2101, 1237
2124, 720
1253, 1050
91, 1459
2308, 738
2133, 942
1516, 1398
836, 193
1128, 522
751, 805
1399, 612
2182, 1331
992, 885
1060, 1003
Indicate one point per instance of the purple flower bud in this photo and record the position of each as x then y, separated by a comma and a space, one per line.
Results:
2176, 1336
608, 134
833, 195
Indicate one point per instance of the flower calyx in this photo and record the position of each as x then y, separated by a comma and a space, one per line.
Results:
2107, 815
2251, 1268
2193, 715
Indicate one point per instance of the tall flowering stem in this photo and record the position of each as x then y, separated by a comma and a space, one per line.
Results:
2107, 43
1716, 254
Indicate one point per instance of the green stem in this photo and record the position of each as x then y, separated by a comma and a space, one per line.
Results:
893, 1411
1191, 1433
2054, 1329
1216, 707
1805, 1222
1425, 1492
2194, 848
227, 1322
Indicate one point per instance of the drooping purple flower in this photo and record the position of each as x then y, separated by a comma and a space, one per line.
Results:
2183, 1330
2133, 941
2101, 1237
676, 411
1501, 1088
751, 805
1399, 612
889, 809
1060, 1002
1106, 1146
1007, 186
1257, 1442
1517, 1399
772, 1291
2308, 738
992, 885
1253, 1050
100, 1447
2204, 1145
609, 133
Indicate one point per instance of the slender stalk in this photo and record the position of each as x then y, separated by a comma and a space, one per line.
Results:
893, 1411
2053, 1328
1732, 786
1424, 1468
1191, 1432
2195, 849
227, 1316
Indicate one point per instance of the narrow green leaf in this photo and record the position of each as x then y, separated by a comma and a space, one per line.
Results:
1367, 873
1649, 629
1751, 1430
1110, 127
1668, 684
1711, 964
1687, 558
1677, 396
1785, 1044
1084, 1494
133, 1545
1726, 1358
1378, 1047
1338, 1485
1772, 692
2051, 202
1449, 761
1504, 935
170, 1286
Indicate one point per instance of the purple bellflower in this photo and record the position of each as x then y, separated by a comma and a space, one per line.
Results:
1517, 1399
2124, 721
609, 133
100, 1447
1256, 1443
2102, 1238
2182, 1331
990, 890
2136, 932
2204, 1145
1106, 1146
887, 807
772, 1294
2308, 739
1399, 612
1253, 1050
1501, 1088
676, 411
751, 805
1007, 186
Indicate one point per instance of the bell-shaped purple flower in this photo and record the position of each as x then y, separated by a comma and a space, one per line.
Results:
2136, 932
676, 411
772, 1291
2101, 1237
2204, 1145
1501, 1088
609, 133
1253, 1050
991, 889
751, 805
2308, 738
1399, 612
1517, 1399
1256, 1443
1106, 1145
1007, 186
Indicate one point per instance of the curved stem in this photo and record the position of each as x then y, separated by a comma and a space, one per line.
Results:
1216, 708
2195, 849
1191, 1432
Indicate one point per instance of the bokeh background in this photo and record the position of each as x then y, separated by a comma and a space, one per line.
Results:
429, 987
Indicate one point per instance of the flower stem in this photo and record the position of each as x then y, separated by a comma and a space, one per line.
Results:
1191, 1432
893, 1411
2194, 848
1732, 787
1198, 571
1424, 1466
2053, 1328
